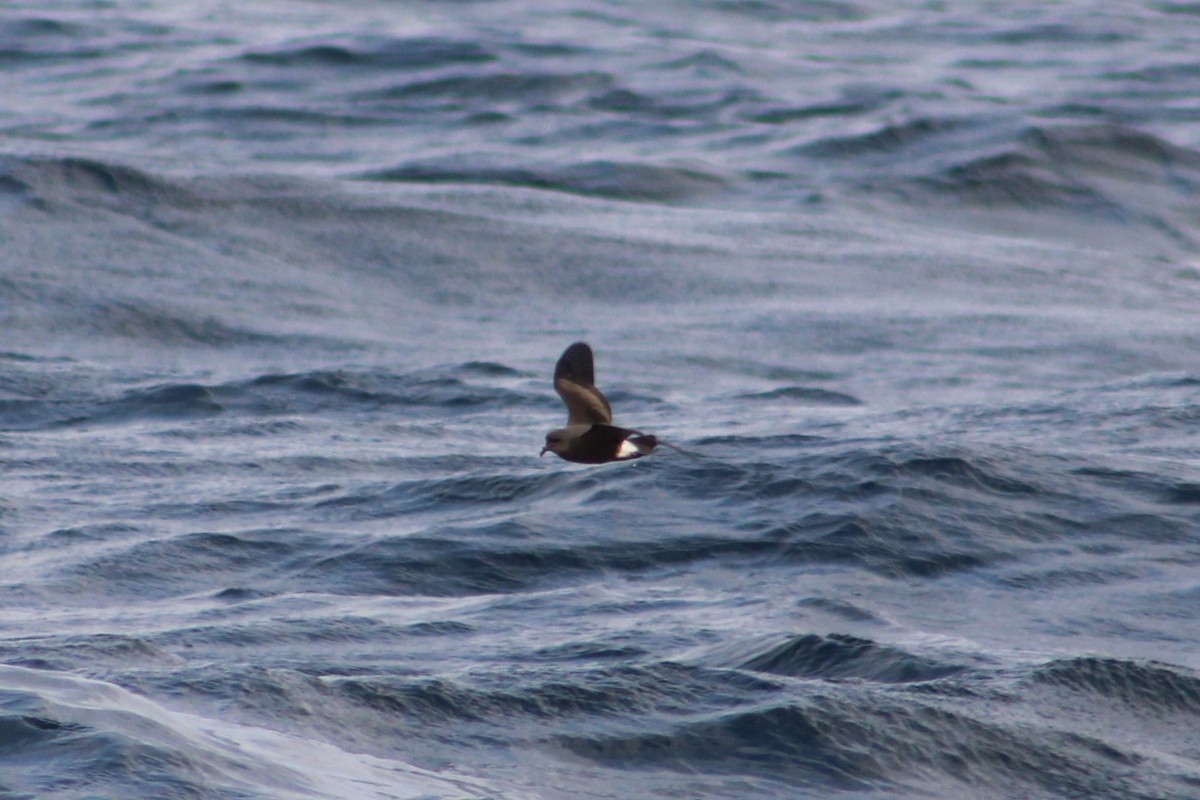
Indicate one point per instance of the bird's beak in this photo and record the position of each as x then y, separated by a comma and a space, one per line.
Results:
544, 449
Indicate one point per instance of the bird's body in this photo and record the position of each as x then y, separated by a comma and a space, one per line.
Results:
590, 437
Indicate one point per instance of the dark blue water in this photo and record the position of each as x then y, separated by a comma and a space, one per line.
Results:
914, 286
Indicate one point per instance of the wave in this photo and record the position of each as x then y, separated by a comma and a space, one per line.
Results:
45, 182
477, 531
805, 395
527, 87
440, 388
1097, 172
31, 40
605, 691
181, 565
502, 558
902, 735
838, 656
869, 744
148, 322
1103, 171
60, 733
1142, 687
29, 406
375, 52
790, 10
608, 179
144, 261
889, 138
831, 713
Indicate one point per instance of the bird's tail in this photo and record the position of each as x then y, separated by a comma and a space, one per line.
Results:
644, 442
678, 449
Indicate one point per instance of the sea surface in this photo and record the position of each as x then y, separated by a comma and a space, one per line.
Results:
912, 287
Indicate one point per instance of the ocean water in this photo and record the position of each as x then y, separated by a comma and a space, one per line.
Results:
912, 286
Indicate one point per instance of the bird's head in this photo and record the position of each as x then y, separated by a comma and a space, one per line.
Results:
556, 442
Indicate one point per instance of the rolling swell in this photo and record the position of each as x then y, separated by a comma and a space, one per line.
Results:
699, 120
34, 405
902, 739
46, 183
1106, 171
833, 745
1065, 166
99, 748
1143, 688
836, 657
903, 530
913, 291
620, 181
1097, 171
373, 52
141, 321
897, 517
507, 558
798, 731
63, 733
336, 264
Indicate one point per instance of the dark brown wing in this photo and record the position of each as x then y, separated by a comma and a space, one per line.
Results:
574, 379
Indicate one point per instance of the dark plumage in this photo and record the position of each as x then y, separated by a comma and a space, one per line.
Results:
590, 437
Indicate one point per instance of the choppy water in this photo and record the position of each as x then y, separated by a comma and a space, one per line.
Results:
915, 285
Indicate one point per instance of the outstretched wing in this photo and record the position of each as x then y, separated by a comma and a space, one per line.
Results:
574, 379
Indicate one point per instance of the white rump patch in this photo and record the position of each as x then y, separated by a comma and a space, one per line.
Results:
628, 450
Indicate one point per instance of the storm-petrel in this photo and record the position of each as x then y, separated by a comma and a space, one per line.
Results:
590, 437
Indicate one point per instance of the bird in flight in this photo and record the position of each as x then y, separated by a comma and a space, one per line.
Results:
590, 437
